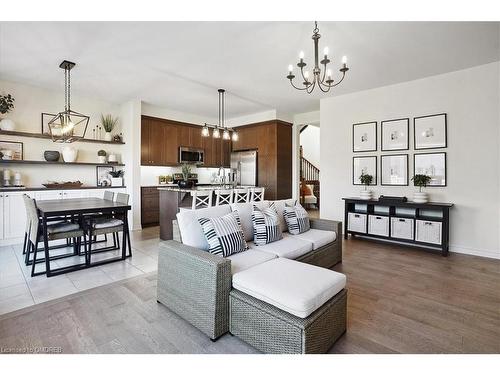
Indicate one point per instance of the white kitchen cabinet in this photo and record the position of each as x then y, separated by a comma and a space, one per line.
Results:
14, 215
49, 194
2, 214
378, 225
72, 194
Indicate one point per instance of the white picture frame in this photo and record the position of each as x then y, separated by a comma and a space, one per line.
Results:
394, 170
366, 165
364, 137
395, 134
431, 164
430, 132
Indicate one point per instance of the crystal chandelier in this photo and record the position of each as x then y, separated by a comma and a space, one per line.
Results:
216, 132
68, 126
322, 77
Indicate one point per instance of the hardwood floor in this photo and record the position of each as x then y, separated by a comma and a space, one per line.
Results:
401, 300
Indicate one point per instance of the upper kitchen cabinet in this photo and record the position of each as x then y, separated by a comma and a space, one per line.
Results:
153, 151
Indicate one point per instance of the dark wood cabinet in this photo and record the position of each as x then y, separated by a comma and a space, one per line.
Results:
150, 206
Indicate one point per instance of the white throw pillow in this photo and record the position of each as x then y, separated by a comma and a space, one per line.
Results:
266, 226
224, 234
297, 219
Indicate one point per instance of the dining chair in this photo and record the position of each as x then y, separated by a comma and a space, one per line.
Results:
55, 231
257, 194
112, 224
223, 196
201, 199
241, 195
108, 195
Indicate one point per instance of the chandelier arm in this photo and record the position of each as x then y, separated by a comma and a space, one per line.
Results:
338, 83
311, 87
324, 73
324, 87
302, 73
298, 88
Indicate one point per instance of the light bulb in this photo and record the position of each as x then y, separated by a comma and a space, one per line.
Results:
205, 132
235, 136
225, 134
329, 73
344, 59
301, 54
306, 75
325, 51
216, 133
290, 68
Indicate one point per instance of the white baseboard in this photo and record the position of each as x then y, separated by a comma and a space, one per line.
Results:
12, 241
487, 253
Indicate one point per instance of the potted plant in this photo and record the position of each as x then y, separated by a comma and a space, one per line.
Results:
108, 122
6, 105
117, 178
186, 171
420, 180
101, 155
366, 179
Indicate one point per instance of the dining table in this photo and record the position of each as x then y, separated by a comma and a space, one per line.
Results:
79, 209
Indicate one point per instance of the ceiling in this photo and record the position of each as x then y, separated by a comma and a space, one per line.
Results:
180, 65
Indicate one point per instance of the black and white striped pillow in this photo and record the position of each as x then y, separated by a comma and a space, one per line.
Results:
266, 226
224, 234
296, 219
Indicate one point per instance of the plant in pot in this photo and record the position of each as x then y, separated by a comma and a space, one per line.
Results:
366, 179
6, 105
108, 122
117, 178
186, 171
420, 180
101, 155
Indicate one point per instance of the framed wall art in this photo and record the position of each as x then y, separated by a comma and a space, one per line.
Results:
394, 170
432, 164
364, 137
11, 150
395, 134
364, 165
103, 177
430, 131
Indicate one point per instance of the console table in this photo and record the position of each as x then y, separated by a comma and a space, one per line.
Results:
424, 225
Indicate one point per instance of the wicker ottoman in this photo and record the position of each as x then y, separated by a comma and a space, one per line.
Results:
268, 327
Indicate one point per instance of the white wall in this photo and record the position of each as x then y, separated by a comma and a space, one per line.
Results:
471, 99
310, 142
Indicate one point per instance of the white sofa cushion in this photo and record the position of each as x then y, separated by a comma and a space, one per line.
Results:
246, 259
289, 247
295, 287
245, 212
317, 237
279, 205
190, 228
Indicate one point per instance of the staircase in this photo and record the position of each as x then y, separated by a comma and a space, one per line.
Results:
309, 175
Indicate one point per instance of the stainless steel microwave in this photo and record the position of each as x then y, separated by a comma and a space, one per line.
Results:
191, 155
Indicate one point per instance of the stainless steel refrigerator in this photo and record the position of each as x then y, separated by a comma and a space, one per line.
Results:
244, 167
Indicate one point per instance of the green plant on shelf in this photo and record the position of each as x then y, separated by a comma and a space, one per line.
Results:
6, 103
116, 174
101, 153
108, 122
366, 179
421, 180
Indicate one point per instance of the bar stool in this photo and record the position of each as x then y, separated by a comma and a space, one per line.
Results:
201, 199
257, 194
223, 196
241, 195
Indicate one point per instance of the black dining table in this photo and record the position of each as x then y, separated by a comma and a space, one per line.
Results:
77, 208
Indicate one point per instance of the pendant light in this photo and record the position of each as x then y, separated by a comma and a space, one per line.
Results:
227, 133
68, 126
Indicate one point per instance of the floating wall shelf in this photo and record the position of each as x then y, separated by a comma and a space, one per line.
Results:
58, 163
47, 136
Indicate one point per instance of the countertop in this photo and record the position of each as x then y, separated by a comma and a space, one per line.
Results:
178, 189
43, 188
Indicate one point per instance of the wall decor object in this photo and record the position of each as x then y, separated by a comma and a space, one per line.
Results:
395, 134
432, 164
12, 150
69, 154
364, 137
103, 178
364, 165
394, 170
430, 131
51, 155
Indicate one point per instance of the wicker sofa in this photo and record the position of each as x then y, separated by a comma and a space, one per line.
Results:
196, 284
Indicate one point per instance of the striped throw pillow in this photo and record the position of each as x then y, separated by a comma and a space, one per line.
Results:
266, 226
296, 219
224, 234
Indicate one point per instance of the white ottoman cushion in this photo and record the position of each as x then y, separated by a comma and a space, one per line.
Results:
317, 237
245, 212
294, 287
247, 259
289, 247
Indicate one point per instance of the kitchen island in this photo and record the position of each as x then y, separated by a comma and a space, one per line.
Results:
173, 198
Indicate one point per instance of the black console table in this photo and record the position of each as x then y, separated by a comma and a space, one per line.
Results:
425, 225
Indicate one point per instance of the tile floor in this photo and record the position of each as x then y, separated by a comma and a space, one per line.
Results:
18, 289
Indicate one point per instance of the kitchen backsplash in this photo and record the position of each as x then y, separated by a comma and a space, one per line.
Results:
149, 175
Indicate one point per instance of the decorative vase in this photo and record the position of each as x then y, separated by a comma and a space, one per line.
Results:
420, 197
366, 194
7, 124
108, 137
116, 181
69, 154
185, 184
112, 158
51, 155
102, 159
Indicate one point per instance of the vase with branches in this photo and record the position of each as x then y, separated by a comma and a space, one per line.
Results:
108, 122
420, 180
